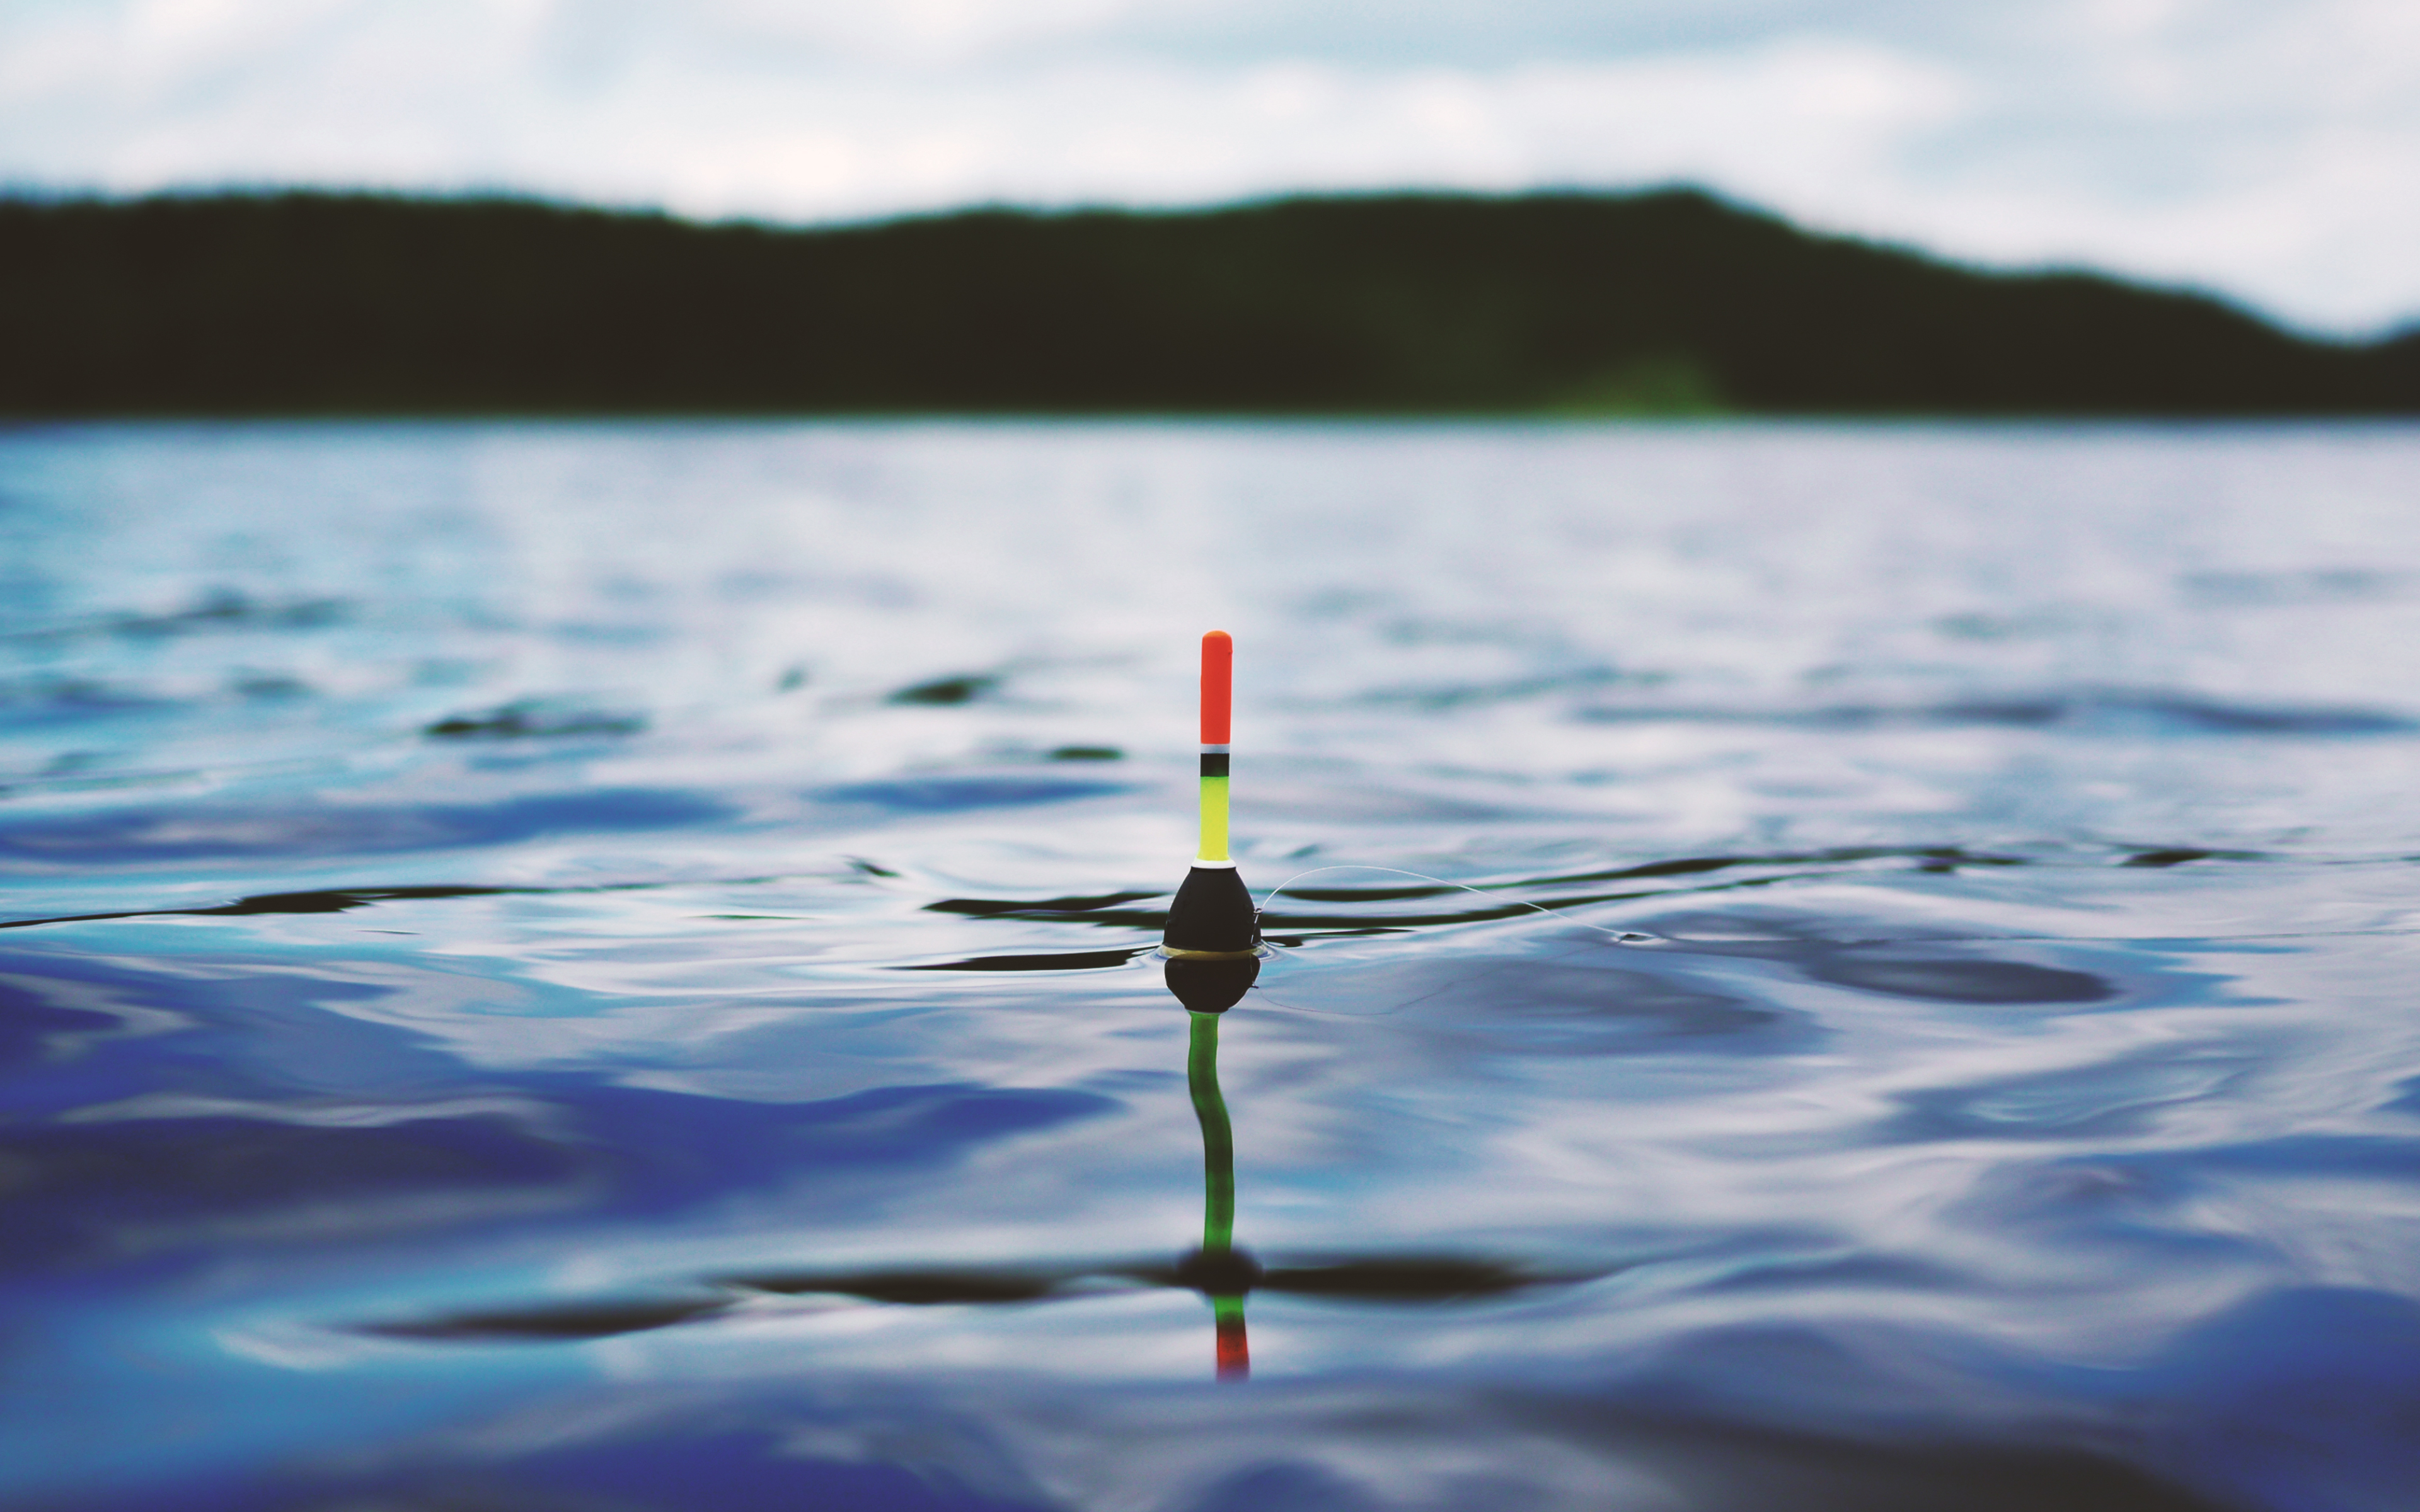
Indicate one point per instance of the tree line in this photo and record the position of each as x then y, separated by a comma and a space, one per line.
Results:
1671, 302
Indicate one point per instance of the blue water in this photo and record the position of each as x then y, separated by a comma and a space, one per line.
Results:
606, 965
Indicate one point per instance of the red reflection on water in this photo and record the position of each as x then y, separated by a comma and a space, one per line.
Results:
1234, 1355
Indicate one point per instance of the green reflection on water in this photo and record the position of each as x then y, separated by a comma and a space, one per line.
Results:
1218, 1196
1218, 1137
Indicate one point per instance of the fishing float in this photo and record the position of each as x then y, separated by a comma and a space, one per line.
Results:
1212, 943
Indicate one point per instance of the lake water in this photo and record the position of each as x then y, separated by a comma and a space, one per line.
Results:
606, 966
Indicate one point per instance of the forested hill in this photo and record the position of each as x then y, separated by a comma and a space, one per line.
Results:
1671, 302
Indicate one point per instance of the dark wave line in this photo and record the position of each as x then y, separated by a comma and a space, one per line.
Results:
1929, 857
1273, 918
1064, 961
223, 610
1102, 908
344, 900
989, 907
329, 902
1415, 1279
2117, 708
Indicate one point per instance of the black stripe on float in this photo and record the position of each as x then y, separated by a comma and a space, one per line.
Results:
1214, 764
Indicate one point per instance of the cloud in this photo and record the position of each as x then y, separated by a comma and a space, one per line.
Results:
2272, 153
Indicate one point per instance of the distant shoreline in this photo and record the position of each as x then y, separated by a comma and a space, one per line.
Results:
1665, 305
1372, 420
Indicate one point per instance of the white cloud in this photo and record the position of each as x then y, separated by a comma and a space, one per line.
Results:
2270, 152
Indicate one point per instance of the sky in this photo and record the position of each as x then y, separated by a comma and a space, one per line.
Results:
2266, 150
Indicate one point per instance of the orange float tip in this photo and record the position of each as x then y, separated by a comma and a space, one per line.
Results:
1217, 686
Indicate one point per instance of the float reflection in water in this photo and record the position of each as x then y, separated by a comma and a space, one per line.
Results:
1218, 1270
1213, 949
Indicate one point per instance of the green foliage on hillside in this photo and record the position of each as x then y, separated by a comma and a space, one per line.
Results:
1671, 303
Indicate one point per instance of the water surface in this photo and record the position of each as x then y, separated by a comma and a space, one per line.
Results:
605, 965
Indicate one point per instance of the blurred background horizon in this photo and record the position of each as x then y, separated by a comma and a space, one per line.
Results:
2267, 155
